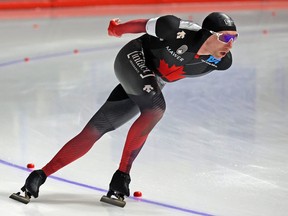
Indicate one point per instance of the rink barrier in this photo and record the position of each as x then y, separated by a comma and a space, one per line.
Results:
46, 10
29, 4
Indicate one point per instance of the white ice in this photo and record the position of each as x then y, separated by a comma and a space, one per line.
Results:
221, 148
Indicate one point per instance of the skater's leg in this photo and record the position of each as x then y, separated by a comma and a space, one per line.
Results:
152, 109
117, 110
74, 149
144, 89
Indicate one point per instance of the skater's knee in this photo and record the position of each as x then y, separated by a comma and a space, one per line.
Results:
156, 107
154, 102
153, 115
90, 133
159, 107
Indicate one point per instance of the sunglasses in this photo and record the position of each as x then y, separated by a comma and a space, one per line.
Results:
224, 37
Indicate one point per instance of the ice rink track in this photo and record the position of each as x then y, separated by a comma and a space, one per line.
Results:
221, 148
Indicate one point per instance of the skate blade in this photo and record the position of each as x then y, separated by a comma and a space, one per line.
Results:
113, 201
20, 198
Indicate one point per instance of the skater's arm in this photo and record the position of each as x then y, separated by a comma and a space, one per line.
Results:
158, 27
116, 28
164, 27
168, 26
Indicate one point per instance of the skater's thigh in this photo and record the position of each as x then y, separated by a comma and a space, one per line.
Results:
117, 110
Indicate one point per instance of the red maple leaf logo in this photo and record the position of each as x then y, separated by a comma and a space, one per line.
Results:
170, 73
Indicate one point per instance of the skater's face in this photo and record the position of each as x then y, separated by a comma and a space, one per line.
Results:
220, 43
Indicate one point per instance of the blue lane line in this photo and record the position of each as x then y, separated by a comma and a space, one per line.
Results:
105, 191
58, 54
11, 63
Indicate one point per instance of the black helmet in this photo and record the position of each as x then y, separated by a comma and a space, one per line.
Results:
218, 21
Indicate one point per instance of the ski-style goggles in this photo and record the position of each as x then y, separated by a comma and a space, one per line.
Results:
225, 37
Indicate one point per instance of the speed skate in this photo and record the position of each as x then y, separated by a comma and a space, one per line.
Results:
18, 197
109, 198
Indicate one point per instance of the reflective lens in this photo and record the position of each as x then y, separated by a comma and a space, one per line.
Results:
226, 38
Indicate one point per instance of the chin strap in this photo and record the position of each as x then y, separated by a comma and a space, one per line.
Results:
134, 26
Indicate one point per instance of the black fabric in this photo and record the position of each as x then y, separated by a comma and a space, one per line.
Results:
171, 55
120, 183
132, 72
34, 181
117, 94
218, 21
169, 22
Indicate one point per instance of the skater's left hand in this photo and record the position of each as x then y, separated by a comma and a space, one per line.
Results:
113, 29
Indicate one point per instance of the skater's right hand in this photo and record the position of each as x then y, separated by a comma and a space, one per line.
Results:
113, 29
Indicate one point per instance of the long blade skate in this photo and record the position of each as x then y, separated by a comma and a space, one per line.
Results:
23, 199
118, 201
